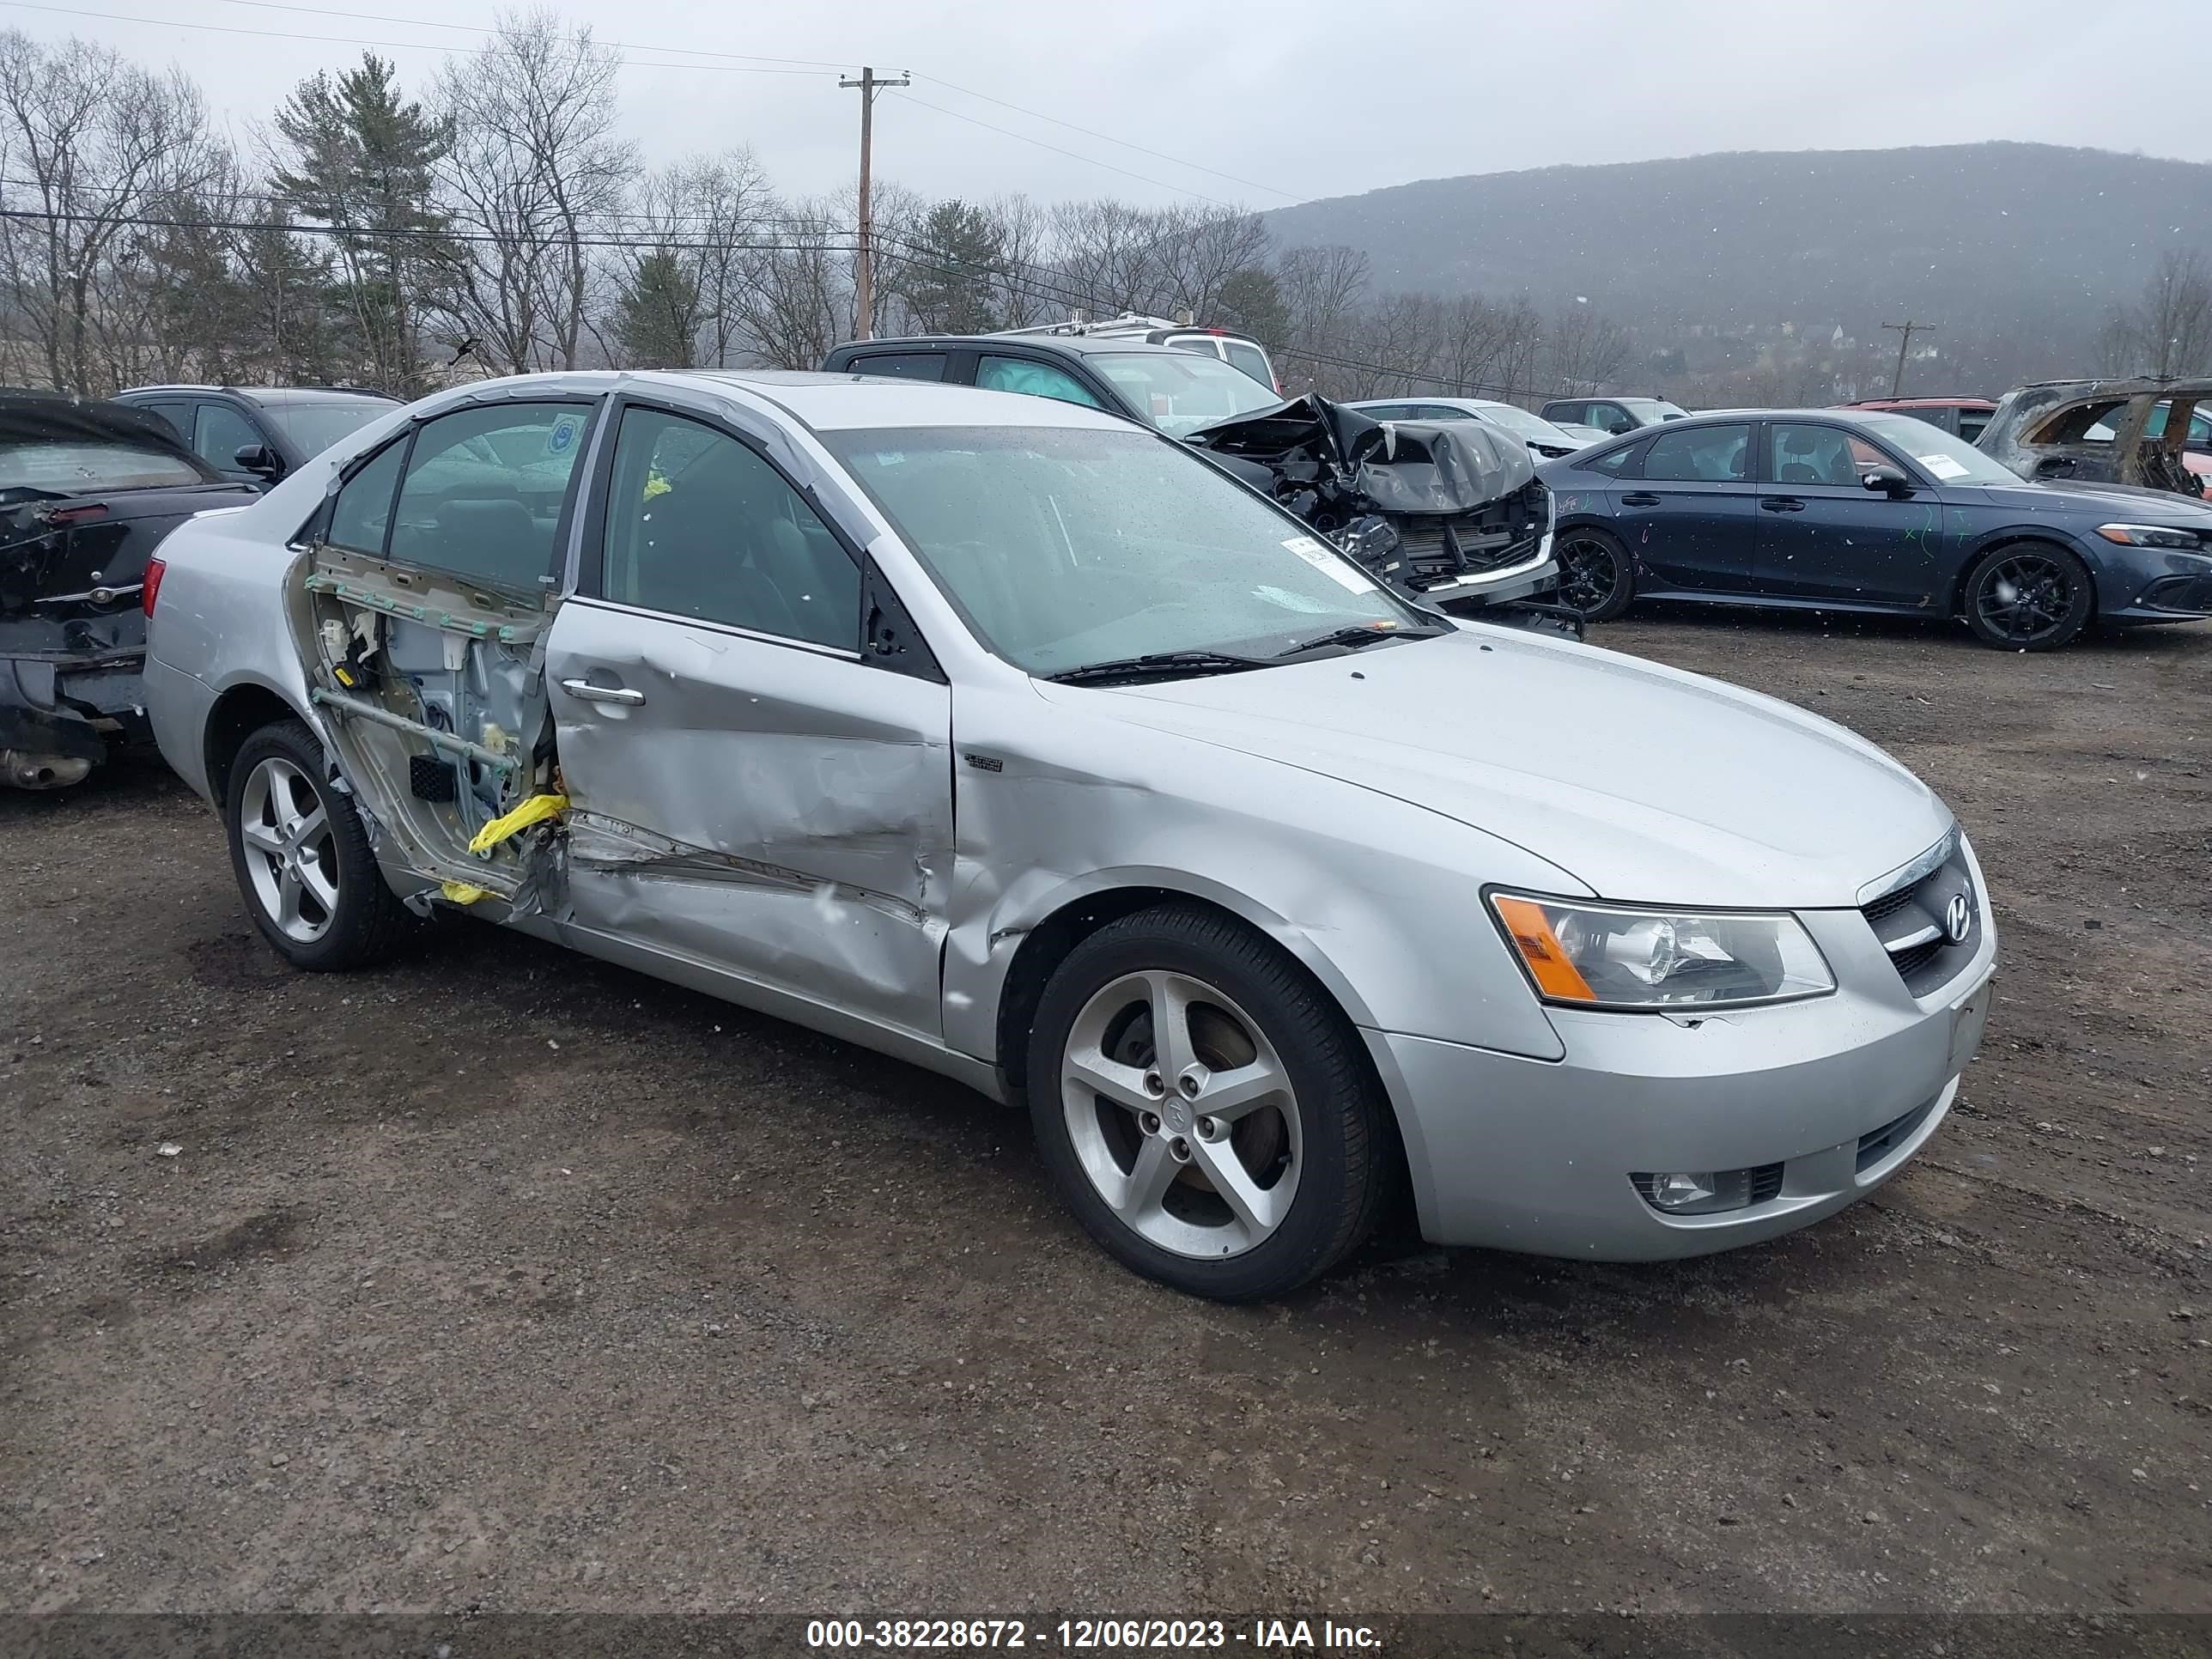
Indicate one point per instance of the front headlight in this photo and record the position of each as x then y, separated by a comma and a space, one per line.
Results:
1601, 956
2150, 535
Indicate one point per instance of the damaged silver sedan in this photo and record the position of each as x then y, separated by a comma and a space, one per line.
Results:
1015, 740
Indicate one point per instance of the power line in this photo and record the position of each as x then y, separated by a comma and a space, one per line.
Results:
480, 28
1107, 138
347, 40
652, 245
1091, 160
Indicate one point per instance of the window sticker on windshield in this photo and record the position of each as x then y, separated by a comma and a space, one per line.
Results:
1330, 565
890, 457
560, 436
1942, 466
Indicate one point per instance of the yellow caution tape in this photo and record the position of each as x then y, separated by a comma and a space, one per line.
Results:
535, 810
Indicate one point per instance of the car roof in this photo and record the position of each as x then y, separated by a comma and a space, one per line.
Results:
1080, 346
1920, 403
836, 401
273, 396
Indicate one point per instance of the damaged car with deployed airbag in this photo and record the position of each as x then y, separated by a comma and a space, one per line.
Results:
1015, 740
87, 490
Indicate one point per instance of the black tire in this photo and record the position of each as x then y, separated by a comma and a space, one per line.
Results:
1347, 1164
2028, 596
1597, 576
366, 921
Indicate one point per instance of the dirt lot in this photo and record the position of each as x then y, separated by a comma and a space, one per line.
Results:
503, 1279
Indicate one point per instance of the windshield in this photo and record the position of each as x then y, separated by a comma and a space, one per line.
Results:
1067, 546
73, 468
1945, 459
1179, 392
1657, 406
313, 428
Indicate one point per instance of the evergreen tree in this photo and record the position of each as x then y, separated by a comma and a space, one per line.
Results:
362, 161
657, 319
953, 280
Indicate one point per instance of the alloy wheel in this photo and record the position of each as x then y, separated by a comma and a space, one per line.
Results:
1589, 575
2024, 597
1181, 1114
291, 858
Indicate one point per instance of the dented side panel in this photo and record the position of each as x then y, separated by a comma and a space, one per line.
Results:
765, 808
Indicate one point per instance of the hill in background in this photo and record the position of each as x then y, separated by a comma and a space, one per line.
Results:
2016, 253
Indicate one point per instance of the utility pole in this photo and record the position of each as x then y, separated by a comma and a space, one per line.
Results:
864, 283
1905, 330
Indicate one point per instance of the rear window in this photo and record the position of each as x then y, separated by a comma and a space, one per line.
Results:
74, 468
1253, 361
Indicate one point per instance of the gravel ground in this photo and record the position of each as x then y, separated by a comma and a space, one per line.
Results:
502, 1278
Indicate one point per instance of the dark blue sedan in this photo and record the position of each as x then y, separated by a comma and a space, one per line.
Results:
1837, 510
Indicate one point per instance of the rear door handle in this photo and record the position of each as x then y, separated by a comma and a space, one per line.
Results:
1782, 503
590, 693
1640, 498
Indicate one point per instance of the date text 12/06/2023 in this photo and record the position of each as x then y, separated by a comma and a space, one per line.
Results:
1091, 1634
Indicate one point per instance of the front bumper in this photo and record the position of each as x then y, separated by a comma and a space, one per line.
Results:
1539, 574
1839, 1090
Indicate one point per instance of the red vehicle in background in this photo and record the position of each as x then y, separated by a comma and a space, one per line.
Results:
1965, 416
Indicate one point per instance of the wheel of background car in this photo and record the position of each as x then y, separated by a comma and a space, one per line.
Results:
2030, 595
302, 856
1597, 575
1205, 1110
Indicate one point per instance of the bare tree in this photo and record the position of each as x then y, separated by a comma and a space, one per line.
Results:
1196, 250
2168, 332
1321, 287
532, 177
796, 300
1584, 348
96, 145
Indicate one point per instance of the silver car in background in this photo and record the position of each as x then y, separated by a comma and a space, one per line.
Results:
1008, 737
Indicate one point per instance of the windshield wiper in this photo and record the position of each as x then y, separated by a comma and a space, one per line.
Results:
1158, 666
1357, 635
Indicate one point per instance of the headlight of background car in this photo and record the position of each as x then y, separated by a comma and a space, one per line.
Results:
1597, 955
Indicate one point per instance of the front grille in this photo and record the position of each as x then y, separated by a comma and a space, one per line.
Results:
1878, 1144
1909, 924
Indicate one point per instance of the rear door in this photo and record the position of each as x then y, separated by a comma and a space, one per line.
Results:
749, 791
1691, 520
1822, 534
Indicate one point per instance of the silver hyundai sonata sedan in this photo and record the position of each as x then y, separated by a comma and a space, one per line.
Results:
1016, 741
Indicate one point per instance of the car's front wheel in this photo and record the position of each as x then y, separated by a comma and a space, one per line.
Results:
1204, 1108
2032, 596
302, 855
1597, 575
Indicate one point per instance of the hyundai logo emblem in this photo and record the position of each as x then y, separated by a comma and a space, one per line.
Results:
1958, 918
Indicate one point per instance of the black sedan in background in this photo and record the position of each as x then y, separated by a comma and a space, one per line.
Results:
1835, 510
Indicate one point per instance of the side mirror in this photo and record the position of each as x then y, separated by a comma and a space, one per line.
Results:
1886, 479
257, 459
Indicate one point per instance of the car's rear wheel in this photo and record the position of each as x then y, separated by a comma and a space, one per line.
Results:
1597, 578
1204, 1108
2030, 596
302, 855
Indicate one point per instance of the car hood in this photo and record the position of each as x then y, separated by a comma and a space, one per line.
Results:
2127, 500
1643, 782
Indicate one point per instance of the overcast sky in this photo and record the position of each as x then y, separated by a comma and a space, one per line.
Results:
1295, 99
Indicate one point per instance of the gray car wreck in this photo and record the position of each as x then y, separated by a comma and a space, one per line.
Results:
2100, 432
1448, 514
1012, 738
